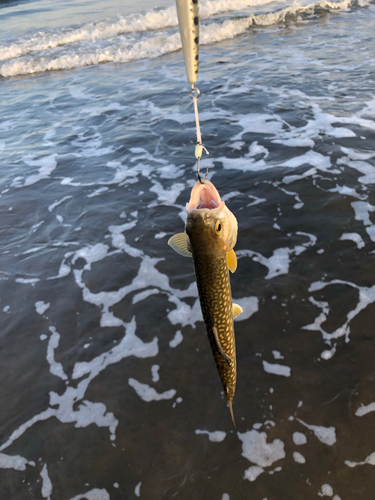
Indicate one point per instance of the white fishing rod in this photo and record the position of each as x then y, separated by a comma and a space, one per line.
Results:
188, 20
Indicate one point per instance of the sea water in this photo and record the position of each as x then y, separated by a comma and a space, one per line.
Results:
108, 386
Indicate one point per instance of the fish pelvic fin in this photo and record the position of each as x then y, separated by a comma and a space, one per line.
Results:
232, 260
227, 358
181, 244
230, 404
236, 310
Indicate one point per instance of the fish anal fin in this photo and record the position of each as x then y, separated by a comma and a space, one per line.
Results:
227, 358
180, 244
232, 260
236, 310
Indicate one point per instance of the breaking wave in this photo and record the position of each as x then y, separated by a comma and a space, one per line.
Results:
148, 35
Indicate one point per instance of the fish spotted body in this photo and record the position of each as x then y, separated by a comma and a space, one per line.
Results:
211, 234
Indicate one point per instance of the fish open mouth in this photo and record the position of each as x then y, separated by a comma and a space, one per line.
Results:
204, 196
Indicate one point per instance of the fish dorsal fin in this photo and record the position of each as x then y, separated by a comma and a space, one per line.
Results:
232, 260
236, 310
180, 244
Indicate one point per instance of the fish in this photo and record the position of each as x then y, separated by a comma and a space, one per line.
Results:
209, 238
188, 20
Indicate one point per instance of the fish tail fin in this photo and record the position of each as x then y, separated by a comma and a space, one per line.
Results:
230, 404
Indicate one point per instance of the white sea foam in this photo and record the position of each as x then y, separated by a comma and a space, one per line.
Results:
253, 472
355, 237
119, 241
98, 192
362, 211
276, 369
94, 494
277, 355
137, 490
148, 393
364, 409
57, 203
357, 162
27, 281
299, 438
366, 296
55, 367
46, 166
143, 295
326, 435
86, 412
256, 449
215, 436
178, 338
41, 307
250, 305
15, 462
155, 373
279, 262
369, 460
300, 459
46, 483
326, 491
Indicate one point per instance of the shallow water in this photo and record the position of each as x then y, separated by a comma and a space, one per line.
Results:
109, 387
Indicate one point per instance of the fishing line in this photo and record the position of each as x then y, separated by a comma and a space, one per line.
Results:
194, 94
188, 20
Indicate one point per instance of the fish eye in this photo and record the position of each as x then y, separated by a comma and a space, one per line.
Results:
218, 227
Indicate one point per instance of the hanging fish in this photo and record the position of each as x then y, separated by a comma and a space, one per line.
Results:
211, 234
188, 20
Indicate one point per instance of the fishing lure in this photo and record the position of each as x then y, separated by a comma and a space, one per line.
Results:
188, 20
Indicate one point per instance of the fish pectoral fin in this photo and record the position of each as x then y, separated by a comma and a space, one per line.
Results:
232, 260
227, 358
180, 244
236, 310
